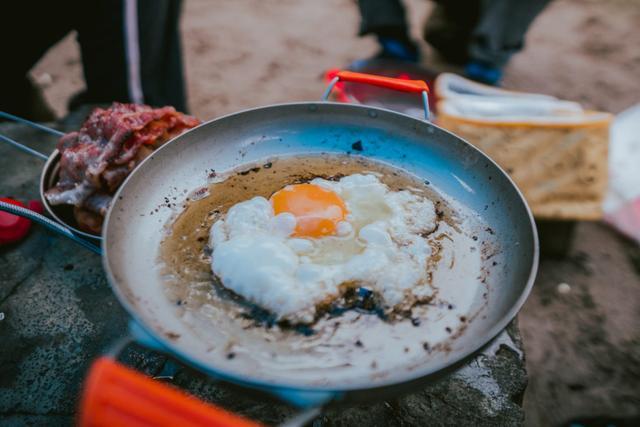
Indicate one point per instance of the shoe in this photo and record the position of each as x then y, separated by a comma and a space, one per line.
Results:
401, 50
483, 73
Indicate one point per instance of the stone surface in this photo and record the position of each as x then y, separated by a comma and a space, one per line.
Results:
60, 314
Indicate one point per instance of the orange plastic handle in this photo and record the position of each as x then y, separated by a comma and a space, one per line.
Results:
115, 395
413, 86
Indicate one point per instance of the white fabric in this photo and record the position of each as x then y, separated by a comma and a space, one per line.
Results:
132, 49
622, 204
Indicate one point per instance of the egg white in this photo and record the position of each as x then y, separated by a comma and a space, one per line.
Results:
381, 245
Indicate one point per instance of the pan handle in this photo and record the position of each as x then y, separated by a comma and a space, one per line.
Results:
298, 398
50, 224
411, 86
23, 147
29, 123
117, 395
114, 394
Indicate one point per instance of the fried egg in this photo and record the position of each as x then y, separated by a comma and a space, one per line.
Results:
310, 242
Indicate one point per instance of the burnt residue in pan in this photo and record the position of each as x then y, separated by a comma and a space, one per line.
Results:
192, 286
355, 297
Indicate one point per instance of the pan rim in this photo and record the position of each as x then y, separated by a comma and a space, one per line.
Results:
283, 387
54, 158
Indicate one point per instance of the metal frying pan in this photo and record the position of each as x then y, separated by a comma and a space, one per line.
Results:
450, 164
132, 238
61, 213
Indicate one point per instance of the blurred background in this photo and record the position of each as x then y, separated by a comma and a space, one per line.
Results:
580, 326
245, 53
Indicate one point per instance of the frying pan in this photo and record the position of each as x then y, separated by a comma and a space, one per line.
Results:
132, 236
63, 214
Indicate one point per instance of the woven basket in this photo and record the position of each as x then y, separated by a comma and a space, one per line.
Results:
561, 168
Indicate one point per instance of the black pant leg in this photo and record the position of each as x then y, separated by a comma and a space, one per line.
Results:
501, 30
161, 53
450, 26
101, 35
131, 52
384, 18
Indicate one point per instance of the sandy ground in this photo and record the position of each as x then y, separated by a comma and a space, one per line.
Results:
244, 53
582, 347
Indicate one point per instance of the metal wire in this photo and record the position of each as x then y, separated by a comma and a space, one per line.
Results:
329, 88
50, 224
425, 103
30, 123
22, 147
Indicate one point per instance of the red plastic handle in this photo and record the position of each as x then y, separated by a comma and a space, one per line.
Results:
115, 395
14, 228
413, 86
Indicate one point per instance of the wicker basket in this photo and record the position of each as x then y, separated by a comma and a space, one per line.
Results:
560, 165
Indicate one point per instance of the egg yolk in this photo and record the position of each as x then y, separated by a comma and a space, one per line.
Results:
317, 210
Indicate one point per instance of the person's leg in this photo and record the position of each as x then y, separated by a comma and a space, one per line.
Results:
131, 52
501, 30
26, 36
449, 27
161, 53
102, 37
386, 19
483, 34
383, 17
